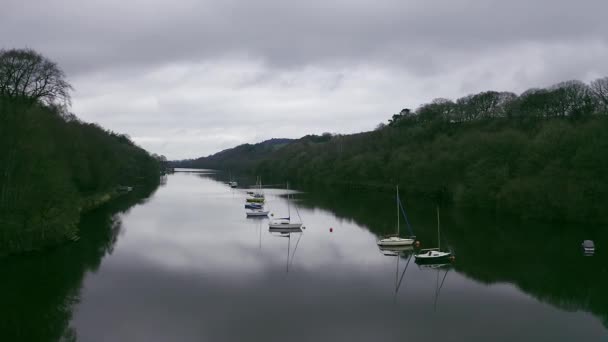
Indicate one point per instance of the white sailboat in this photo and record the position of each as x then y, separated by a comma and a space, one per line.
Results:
434, 255
286, 222
232, 183
396, 240
257, 213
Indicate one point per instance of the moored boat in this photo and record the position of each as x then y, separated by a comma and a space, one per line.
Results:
257, 213
434, 255
588, 247
396, 240
286, 222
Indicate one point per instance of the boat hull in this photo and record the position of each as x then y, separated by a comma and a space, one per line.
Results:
285, 231
433, 257
588, 247
257, 213
282, 225
395, 242
255, 200
403, 248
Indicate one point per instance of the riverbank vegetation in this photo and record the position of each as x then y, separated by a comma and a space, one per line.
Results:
52, 164
538, 155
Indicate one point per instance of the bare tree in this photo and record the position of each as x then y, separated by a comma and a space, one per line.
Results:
26, 74
599, 88
571, 98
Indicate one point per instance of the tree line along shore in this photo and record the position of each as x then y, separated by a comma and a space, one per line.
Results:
54, 166
538, 155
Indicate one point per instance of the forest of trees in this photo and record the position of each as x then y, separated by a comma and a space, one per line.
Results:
541, 154
52, 165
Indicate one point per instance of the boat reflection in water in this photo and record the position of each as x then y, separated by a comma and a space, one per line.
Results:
439, 267
258, 220
398, 252
286, 233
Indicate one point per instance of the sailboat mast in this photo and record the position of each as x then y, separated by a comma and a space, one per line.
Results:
438, 236
288, 207
397, 210
288, 248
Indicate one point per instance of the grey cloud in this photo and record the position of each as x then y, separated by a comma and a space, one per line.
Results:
229, 72
91, 35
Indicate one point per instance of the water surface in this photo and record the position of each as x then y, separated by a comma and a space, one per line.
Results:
187, 265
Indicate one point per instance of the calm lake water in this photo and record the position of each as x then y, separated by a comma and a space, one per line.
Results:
185, 264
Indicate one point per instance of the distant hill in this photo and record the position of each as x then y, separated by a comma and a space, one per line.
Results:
534, 155
240, 157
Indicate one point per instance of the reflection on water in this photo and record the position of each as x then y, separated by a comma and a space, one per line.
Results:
188, 265
287, 233
38, 292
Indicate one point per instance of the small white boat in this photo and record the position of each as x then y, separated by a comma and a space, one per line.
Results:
434, 255
286, 222
233, 184
588, 247
257, 212
396, 240
284, 231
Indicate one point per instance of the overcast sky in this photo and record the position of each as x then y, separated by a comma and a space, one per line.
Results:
187, 78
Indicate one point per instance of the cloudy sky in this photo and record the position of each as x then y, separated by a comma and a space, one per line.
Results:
186, 78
